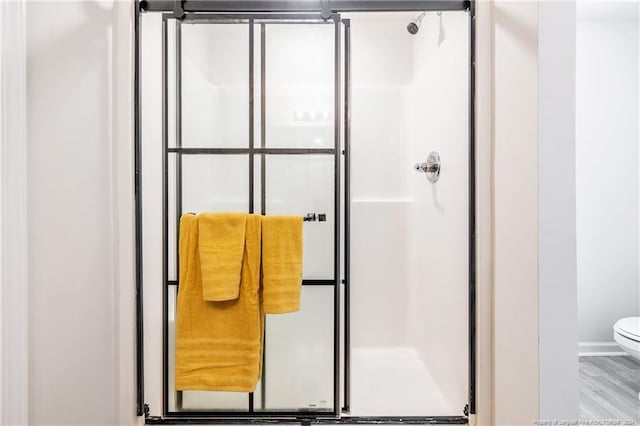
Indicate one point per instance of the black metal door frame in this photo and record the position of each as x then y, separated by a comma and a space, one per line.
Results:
252, 21
327, 10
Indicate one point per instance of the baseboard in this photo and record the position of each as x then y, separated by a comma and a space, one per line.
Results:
599, 349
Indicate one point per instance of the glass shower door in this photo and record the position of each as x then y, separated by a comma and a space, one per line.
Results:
298, 117
251, 126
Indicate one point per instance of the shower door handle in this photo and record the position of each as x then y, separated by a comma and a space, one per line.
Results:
431, 167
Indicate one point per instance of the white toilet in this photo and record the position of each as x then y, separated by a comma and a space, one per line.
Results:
626, 333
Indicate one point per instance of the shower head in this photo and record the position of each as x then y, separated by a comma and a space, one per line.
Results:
414, 26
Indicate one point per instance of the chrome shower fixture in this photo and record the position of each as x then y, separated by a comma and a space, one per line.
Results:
431, 167
414, 26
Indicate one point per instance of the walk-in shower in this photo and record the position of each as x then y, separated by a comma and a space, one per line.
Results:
328, 110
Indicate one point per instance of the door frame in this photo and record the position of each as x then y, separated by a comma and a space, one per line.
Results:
327, 10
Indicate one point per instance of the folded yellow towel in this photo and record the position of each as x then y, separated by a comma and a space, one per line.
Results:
218, 344
281, 263
221, 242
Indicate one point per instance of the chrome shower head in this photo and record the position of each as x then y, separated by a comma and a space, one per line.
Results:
414, 26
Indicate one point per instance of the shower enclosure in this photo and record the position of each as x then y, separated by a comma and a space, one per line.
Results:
330, 110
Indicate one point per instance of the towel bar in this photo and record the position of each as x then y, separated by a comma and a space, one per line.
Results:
313, 217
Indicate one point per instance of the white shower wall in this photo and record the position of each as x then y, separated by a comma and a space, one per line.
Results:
410, 238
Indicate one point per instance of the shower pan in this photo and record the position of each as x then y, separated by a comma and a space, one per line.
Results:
327, 110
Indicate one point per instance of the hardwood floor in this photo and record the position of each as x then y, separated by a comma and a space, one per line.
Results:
609, 387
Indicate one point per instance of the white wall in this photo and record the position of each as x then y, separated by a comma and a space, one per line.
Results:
484, 213
77, 259
607, 169
14, 300
515, 399
557, 210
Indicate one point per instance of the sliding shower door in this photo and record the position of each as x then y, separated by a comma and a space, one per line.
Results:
251, 113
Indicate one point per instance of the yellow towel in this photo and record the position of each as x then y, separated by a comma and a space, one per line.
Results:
281, 263
218, 344
221, 242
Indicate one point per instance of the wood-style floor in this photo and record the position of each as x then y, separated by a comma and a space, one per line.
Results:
609, 387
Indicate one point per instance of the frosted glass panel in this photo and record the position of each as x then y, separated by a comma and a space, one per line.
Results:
172, 235
212, 401
213, 183
301, 184
172, 298
298, 113
215, 85
298, 365
299, 85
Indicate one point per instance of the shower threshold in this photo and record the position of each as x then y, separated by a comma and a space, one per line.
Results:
345, 420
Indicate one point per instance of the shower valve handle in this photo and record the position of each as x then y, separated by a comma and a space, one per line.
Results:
426, 167
431, 167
